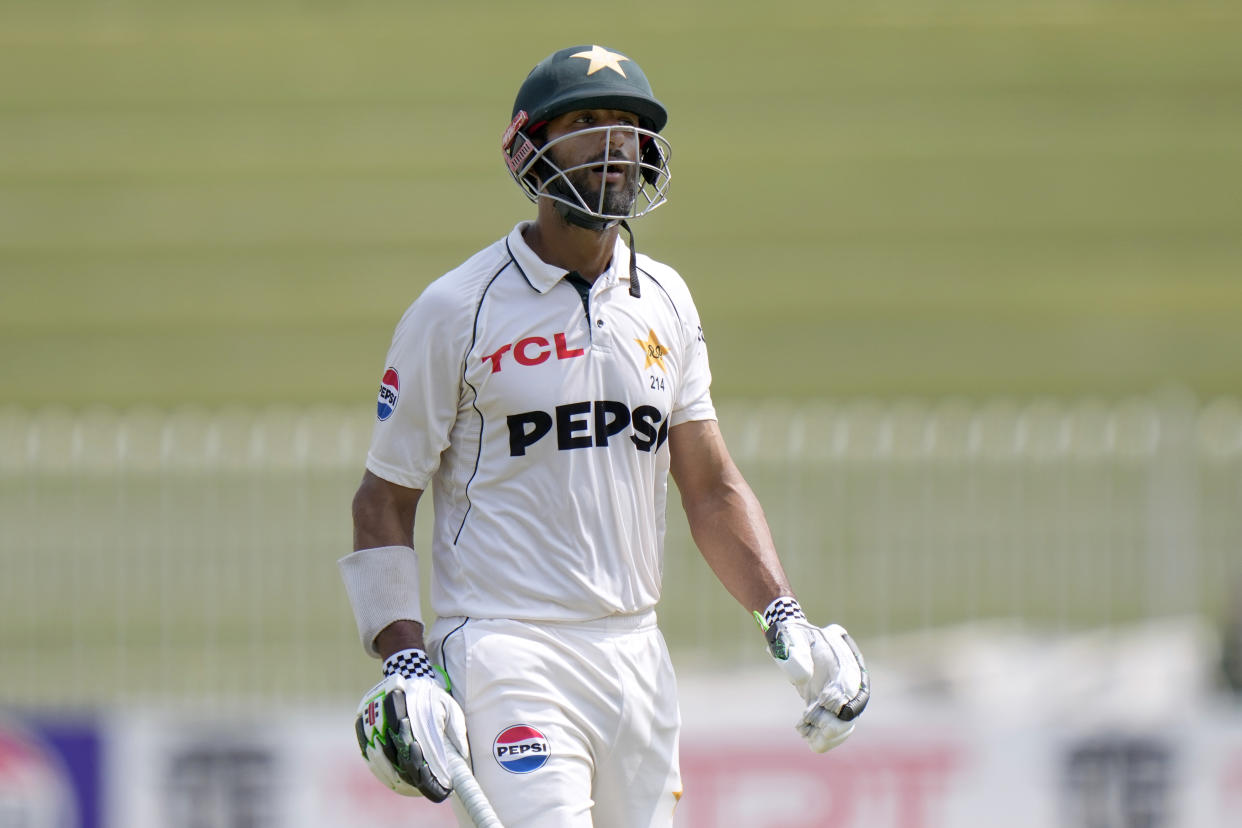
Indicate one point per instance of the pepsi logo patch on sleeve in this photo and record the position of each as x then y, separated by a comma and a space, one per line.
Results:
521, 749
390, 389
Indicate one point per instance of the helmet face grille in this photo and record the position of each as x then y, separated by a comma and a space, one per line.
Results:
644, 181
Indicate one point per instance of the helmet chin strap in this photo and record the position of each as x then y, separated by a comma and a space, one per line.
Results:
581, 219
635, 291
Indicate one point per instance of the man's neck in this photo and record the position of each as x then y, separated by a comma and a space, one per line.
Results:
566, 245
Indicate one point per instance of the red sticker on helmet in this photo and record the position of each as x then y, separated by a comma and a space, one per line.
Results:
519, 121
519, 155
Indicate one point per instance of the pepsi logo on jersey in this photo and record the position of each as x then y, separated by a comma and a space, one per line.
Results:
581, 425
390, 389
521, 749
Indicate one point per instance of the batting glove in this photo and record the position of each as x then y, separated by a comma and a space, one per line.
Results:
825, 667
407, 723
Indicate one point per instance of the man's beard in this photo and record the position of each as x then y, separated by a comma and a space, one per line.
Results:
617, 200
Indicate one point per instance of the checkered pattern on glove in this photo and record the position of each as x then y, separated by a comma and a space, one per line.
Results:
412, 663
783, 609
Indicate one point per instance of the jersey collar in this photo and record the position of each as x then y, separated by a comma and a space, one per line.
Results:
543, 276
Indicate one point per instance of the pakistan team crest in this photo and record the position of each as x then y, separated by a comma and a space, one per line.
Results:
653, 351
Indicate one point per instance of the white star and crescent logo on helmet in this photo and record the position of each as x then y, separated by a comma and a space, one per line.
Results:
601, 58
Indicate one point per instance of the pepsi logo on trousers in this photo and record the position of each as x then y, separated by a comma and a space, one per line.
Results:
521, 749
390, 389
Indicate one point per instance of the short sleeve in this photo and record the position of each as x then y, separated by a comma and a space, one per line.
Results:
694, 398
419, 391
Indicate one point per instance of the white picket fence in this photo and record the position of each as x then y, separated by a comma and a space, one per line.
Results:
190, 553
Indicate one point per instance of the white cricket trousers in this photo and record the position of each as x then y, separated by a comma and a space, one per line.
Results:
571, 725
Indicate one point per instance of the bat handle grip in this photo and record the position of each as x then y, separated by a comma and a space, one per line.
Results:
855, 706
469, 793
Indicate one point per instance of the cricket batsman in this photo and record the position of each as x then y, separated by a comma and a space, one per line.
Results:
545, 389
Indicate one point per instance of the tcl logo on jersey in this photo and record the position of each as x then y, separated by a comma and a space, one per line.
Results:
582, 425
533, 350
521, 749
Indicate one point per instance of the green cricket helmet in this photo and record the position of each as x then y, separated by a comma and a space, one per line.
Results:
588, 77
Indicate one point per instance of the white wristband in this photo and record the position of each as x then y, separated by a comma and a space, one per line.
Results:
382, 584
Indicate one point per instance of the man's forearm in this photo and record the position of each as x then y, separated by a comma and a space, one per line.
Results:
732, 534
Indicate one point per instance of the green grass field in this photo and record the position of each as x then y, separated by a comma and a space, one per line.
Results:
235, 201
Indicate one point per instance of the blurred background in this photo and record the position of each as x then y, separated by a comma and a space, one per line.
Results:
970, 277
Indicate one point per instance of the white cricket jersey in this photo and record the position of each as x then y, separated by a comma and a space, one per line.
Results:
541, 422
